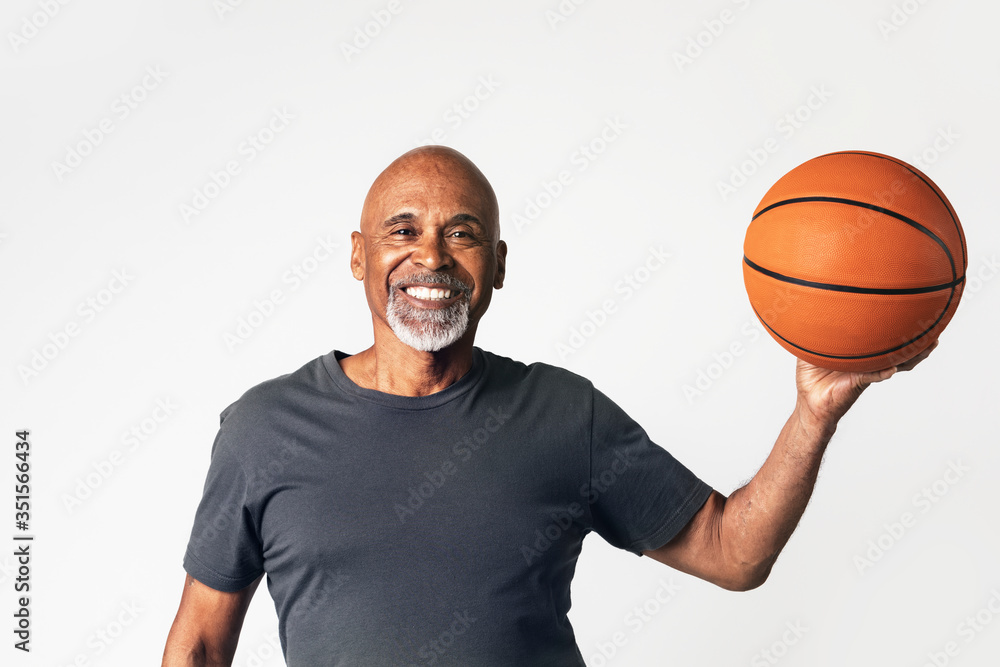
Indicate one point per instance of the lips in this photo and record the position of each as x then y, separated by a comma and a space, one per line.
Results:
430, 290
429, 293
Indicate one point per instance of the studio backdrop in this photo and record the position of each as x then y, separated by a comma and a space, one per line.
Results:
179, 184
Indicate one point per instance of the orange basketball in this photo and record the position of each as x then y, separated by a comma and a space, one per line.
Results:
854, 261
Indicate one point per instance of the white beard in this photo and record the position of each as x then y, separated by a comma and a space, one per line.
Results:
424, 329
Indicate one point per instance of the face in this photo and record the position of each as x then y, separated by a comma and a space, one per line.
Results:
428, 251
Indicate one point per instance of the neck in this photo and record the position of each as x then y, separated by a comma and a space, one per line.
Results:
391, 367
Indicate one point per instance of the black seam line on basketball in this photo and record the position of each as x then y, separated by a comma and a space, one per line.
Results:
859, 356
923, 333
934, 189
852, 202
848, 288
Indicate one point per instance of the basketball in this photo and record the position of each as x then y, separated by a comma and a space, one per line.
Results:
854, 261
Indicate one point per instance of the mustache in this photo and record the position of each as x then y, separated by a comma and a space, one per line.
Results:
433, 277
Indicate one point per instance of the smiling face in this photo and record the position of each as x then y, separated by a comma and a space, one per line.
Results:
429, 251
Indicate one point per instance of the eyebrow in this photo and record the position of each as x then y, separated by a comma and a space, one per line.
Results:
409, 217
399, 217
465, 217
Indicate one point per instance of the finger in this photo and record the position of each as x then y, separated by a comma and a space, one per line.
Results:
878, 376
910, 363
886, 373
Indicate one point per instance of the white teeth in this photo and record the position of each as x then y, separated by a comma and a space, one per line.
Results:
428, 294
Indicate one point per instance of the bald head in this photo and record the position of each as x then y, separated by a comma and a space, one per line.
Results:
429, 173
429, 251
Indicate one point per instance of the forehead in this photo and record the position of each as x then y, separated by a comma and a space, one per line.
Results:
429, 186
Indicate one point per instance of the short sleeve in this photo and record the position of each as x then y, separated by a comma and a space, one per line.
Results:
640, 495
225, 551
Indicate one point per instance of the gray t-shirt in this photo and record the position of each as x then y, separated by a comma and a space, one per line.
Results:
433, 530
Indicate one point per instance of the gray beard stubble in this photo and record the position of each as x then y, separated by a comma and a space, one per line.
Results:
424, 329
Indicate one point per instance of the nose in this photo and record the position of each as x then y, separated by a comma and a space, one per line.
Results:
432, 253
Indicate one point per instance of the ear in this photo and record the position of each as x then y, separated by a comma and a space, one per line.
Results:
501, 253
357, 256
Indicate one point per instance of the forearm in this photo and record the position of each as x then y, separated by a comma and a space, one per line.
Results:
733, 542
759, 518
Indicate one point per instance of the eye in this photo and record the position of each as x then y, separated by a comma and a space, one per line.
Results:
401, 231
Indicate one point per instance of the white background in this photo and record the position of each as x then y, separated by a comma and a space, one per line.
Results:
914, 80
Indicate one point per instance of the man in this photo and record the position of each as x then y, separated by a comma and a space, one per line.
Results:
424, 501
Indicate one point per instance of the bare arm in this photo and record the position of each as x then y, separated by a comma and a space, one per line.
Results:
207, 626
733, 542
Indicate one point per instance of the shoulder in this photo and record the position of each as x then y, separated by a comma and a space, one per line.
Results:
277, 395
505, 370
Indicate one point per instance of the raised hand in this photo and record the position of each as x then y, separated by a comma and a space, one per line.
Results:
826, 395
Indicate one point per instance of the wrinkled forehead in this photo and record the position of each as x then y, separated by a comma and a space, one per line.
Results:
431, 181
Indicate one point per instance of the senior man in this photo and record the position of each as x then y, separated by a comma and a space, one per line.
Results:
424, 501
